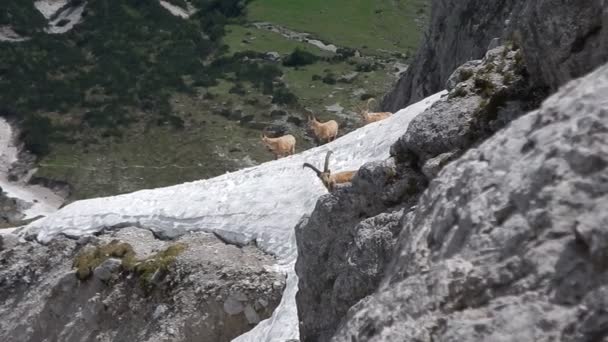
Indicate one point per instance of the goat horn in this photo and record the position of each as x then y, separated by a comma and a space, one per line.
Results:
326, 168
312, 168
369, 102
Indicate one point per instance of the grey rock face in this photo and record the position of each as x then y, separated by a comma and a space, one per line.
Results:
10, 209
344, 245
485, 95
8, 241
509, 242
105, 271
560, 40
41, 298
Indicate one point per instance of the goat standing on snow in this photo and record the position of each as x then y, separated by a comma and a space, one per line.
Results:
281, 146
374, 116
324, 131
327, 178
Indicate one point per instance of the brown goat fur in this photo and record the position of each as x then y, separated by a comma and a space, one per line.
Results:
324, 131
281, 146
328, 179
369, 117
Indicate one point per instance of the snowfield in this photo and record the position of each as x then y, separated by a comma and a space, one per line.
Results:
62, 17
48, 8
261, 204
178, 11
7, 34
39, 200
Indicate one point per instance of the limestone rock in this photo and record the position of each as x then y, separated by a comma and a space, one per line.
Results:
105, 271
345, 243
462, 30
184, 302
508, 243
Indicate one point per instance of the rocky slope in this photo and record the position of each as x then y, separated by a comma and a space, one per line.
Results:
347, 243
128, 286
509, 242
560, 40
343, 247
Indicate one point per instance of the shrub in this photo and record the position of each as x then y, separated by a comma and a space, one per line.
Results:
329, 78
299, 58
36, 134
282, 95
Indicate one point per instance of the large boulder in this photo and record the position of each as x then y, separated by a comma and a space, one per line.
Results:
129, 286
484, 96
509, 242
345, 243
560, 40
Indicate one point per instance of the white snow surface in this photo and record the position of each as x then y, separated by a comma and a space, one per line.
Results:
178, 11
56, 11
40, 200
73, 15
48, 8
261, 203
7, 34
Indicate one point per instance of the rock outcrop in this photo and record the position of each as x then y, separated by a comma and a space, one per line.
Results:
343, 255
509, 242
128, 286
10, 210
343, 246
560, 40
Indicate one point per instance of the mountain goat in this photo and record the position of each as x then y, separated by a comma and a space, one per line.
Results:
373, 116
324, 131
281, 146
328, 179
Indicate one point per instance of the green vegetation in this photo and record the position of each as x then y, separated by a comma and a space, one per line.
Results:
127, 54
375, 26
135, 97
240, 38
160, 262
299, 58
23, 18
87, 260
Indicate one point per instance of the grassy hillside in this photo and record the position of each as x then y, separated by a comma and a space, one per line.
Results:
373, 26
134, 97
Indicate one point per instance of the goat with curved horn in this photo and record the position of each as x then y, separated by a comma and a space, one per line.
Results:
326, 167
328, 179
369, 117
317, 171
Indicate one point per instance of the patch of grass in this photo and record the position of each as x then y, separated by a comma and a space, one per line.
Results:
160, 262
86, 261
465, 75
484, 85
458, 92
240, 38
372, 26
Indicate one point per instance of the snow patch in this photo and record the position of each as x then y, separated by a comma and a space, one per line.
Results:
66, 19
48, 8
298, 36
261, 203
61, 15
38, 199
7, 34
178, 11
